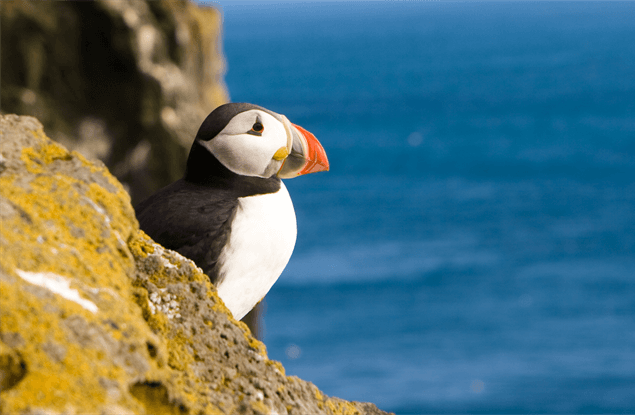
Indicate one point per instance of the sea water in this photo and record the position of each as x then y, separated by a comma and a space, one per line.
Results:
473, 247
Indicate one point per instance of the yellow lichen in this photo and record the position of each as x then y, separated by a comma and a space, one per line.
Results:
340, 407
158, 322
180, 357
140, 246
254, 343
50, 384
36, 159
69, 252
78, 231
318, 395
219, 305
277, 365
259, 407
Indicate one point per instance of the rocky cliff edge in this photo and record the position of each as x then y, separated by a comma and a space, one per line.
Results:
97, 318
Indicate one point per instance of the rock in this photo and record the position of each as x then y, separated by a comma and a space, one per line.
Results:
97, 318
125, 81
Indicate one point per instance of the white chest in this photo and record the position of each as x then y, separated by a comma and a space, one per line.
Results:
261, 241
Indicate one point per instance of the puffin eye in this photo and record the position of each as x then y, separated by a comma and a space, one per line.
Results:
257, 128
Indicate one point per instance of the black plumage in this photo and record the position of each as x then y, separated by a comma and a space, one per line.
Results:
193, 215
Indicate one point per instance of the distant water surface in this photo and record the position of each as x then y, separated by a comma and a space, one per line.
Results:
473, 247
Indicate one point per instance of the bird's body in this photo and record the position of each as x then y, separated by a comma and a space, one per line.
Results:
232, 215
261, 239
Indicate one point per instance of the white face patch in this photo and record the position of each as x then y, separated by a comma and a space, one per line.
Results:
247, 153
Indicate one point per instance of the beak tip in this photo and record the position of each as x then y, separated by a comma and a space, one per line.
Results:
312, 155
317, 163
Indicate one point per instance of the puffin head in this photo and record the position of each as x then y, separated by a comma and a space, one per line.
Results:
249, 140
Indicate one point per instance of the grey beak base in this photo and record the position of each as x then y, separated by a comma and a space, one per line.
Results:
296, 160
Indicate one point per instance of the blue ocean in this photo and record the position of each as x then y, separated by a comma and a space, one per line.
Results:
472, 249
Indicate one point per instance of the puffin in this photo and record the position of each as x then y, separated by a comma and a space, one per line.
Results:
231, 212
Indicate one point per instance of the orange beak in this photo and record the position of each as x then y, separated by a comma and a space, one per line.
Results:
306, 156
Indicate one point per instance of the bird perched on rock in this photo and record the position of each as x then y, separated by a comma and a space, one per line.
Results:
230, 213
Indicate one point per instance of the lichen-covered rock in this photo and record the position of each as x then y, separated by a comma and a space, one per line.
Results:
97, 318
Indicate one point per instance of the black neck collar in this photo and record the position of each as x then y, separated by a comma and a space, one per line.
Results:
205, 170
